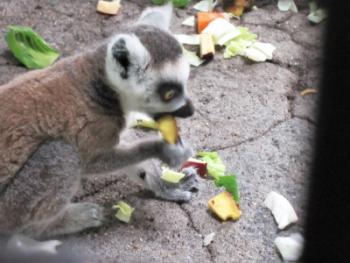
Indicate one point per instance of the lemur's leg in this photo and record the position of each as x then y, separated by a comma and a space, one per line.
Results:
38, 201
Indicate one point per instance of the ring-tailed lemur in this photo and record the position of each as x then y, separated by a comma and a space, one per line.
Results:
62, 122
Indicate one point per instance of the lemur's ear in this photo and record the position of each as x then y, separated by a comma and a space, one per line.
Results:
157, 16
121, 55
127, 51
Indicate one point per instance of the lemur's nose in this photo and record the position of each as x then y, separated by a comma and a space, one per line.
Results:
185, 111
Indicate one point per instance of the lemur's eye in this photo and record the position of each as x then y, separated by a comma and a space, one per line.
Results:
168, 95
169, 90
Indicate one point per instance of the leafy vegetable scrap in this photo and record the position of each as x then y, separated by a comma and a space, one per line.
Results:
124, 211
30, 48
176, 3
215, 166
229, 182
286, 5
236, 40
317, 15
171, 176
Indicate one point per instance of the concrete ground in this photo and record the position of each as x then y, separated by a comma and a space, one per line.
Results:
251, 113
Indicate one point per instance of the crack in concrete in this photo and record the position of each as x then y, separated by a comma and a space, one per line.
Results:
253, 138
192, 224
307, 119
98, 190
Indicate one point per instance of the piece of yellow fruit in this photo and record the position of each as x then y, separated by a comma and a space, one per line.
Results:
172, 176
108, 7
146, 123
224, 206
168, 128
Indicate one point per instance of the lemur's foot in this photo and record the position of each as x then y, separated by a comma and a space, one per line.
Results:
169, 191
77, 217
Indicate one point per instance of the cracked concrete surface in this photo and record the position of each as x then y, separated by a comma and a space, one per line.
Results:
251, 113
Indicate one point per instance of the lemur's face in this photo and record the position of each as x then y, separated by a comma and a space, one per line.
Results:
147, 67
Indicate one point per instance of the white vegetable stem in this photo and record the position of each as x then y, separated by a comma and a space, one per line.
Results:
220, 28
281, 209
290, 247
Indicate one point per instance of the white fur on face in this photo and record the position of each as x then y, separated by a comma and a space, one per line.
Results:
139, 58
177, 71
138, 92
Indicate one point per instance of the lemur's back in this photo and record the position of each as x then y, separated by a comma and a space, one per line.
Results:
42, 105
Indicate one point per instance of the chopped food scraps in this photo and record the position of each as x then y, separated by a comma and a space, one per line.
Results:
219, 28
171, 176
204, 18
181, 3
215, 166
166, 125
192, 57
308, 91
208, 239
258, 51
229, 182
236, 7
108, 7
200, 166
224, 206
237, 41
141, 120
286, 5
207, 49
124, 211
145, 123
168, 128
281, 209
176, 3
317, 15
290, 247
189, 21
158, 2
205, 5
193, 39
30, 48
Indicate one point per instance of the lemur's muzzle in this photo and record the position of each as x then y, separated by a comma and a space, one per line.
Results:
185, 111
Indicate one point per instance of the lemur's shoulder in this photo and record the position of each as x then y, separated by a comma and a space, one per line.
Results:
69, 100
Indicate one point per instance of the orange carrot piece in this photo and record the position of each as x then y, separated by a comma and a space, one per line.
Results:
204, 18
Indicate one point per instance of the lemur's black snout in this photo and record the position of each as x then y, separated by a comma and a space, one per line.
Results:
185, 111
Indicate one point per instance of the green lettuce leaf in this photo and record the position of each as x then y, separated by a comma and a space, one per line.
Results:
229, 182
235, 46
30, 48
171, 176
215, 166
192, 58
124, 211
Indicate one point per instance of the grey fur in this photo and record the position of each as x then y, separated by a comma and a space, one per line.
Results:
64, 122
156, 41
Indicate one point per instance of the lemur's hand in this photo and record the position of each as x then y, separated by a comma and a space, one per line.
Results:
175, 154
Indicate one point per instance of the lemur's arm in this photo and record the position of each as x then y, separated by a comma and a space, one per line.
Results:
172, 154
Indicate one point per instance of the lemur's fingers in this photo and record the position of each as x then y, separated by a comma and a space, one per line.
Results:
168, 191
175, 154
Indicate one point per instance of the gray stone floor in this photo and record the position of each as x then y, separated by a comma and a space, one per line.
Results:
251, 113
